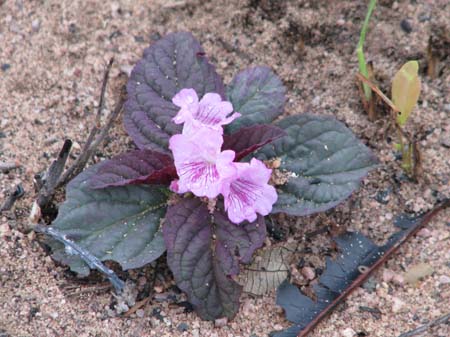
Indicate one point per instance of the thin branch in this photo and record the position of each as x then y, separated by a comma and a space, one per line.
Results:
372, 86
93, 141
8, 166
56, 177
16, 194
84, 157
101, 102
441, 320
53, 174
93, 262
394, 109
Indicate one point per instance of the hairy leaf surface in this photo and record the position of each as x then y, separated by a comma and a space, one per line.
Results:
175, 62
116, 223
323, 161
204, 250
133, 168
258, 94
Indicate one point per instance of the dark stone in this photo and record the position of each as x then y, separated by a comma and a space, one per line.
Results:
73, 28
406, 26
424, 17
382, 196
182, 327
157, 314
370, 285
5, 66
155, 37
139, 39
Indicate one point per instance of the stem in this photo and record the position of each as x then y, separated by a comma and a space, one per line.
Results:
359, 50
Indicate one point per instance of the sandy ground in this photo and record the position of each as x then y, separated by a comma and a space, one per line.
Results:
52, 58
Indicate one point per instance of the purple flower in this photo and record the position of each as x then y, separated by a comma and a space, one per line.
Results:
211, 111
202, 168
249, 193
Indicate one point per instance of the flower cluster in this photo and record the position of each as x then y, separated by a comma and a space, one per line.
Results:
207, 171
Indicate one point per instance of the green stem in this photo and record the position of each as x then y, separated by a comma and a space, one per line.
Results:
359, 50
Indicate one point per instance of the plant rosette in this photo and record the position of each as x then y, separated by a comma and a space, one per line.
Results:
210, 145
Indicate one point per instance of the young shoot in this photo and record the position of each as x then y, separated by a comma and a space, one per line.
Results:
365, 68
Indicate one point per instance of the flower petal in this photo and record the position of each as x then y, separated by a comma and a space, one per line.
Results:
201, 167
187, 100
250, 193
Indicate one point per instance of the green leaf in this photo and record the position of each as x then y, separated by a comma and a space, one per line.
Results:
406, 90
121, 224
322, 160
258, 94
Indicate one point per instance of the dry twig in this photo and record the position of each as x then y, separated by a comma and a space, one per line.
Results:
72, 248
50, 180
8, 166
441, 320
55, 178
16, 193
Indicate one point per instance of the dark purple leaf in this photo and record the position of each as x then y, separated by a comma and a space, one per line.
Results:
249, 139
343, 275
172, 63
135, 167
204, 250
258, 94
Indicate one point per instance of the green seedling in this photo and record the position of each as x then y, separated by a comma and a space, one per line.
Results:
404, 96
364, 68
406, 90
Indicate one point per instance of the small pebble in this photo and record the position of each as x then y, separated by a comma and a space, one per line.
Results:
397, 304
36, 25
158, 289
445, 141
140, 313
424, 17
398, 279
383, 197
182, 327
424, 232
5, 230
220, 322
444, 279
308, 273
139, 38
370, 285
142, 281
349, 332
388, 275
406, 26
